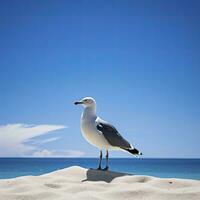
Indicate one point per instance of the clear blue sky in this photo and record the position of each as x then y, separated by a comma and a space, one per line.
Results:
140, 60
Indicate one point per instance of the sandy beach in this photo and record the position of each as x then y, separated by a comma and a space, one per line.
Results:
80, 183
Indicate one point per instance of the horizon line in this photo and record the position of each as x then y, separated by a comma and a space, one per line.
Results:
110, 157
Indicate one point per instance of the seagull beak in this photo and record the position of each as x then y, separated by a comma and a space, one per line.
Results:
78, 102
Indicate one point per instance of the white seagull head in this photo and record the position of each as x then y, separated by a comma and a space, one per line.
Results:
86, 102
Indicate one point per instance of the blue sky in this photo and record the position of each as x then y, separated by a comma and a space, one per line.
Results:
140, 60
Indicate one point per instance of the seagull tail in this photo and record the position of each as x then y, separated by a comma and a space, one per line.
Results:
134, 151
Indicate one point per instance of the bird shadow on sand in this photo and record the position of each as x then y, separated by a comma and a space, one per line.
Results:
100, 175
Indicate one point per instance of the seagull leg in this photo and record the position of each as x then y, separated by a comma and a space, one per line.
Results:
107, 167
100, 159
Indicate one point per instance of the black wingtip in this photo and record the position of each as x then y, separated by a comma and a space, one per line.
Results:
134, 151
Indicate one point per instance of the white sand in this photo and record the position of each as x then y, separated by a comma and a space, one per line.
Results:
83, 184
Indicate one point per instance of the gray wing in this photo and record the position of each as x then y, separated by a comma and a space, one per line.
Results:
112, 135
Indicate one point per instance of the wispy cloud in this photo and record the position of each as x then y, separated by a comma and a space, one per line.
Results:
15, 140
49, 140
44, 141
58, 153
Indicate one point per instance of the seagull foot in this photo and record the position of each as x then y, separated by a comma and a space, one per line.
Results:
106, 168
99, 168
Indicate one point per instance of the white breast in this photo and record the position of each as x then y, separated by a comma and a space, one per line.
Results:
92, 135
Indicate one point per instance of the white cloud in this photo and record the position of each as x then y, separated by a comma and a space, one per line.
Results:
38, 142
50, 140
15, 140
56, 153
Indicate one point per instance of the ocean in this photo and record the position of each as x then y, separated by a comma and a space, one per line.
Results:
164, 168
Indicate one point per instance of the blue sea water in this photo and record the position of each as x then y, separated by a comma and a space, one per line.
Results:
166, 168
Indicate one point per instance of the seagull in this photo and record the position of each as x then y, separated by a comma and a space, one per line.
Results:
100, 133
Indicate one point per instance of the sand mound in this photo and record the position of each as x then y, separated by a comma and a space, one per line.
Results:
85, 184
